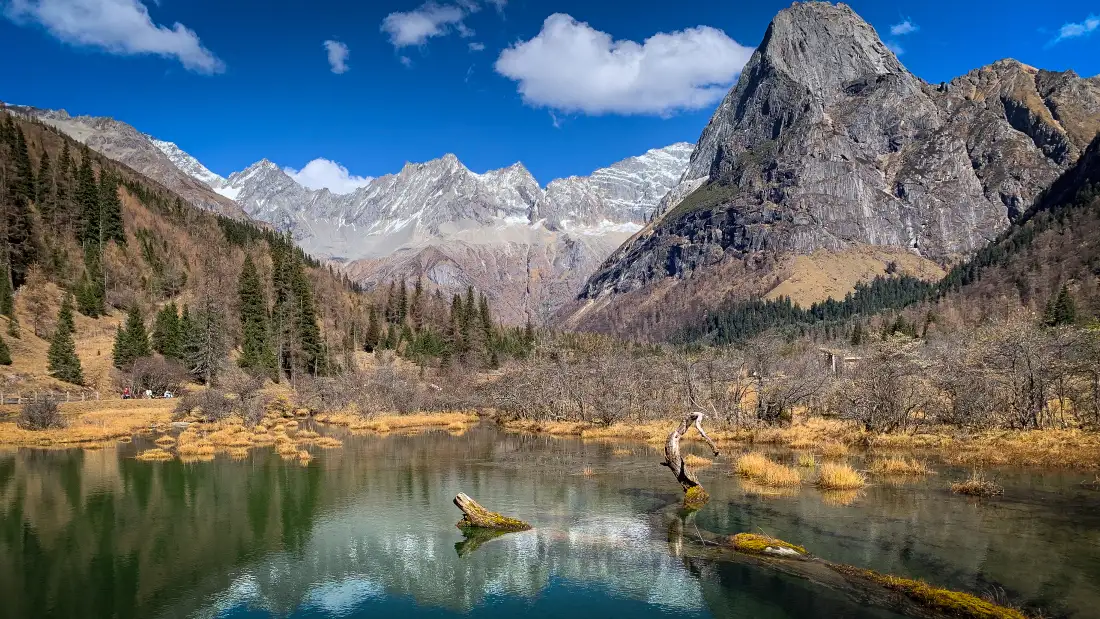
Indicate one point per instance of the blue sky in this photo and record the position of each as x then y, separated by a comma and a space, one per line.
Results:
233, 81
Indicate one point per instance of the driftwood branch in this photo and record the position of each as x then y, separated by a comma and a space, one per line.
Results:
694, 495
474, 516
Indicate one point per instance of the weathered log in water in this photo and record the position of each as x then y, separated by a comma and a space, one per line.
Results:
477, 517
911, 598
695, 496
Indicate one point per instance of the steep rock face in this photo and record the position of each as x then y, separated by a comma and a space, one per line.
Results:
127, 145
827, 143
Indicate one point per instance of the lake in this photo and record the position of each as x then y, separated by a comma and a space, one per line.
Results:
368, 530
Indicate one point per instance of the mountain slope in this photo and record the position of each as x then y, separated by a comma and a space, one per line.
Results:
124, 144
828, 143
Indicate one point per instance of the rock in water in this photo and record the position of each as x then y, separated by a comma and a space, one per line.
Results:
828, 143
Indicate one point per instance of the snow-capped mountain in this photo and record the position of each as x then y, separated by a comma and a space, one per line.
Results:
528, 247
187, 164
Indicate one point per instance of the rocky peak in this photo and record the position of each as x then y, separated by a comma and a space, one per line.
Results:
827, 142
822, 47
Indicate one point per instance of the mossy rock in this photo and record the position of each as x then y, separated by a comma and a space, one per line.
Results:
951, 603
477, 517
751, 543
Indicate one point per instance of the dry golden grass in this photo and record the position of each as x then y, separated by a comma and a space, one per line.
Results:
200, 447
165, 441
834, 450
154, 455
977, 485
620, 451
824, 273
327, 442
382, 424
766, 472
198, 458
304, 456
899, 467
286, 448
697, 461
305, 434
807, 461
832, 476
238, 453
111, 420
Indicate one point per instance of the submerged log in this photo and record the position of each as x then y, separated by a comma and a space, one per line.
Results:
476, 516
694, 495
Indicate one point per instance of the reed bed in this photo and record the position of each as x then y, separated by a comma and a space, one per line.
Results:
834, 476
898, 466
154, 455
767, 472
695, 461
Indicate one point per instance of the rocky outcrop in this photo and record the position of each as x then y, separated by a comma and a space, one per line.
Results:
827, 142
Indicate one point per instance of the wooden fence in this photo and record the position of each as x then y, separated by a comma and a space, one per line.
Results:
57, 396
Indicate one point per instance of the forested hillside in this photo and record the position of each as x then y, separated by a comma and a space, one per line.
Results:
161, 288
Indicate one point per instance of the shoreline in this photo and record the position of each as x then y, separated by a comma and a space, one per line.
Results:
1074, 449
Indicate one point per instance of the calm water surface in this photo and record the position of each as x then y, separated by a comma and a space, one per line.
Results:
368, 531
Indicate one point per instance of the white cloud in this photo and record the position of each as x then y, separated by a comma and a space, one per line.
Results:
904, 28
325, 174
121, 27
1074, 30
571, 67
477, 47
894, 47
406, 61
337, 56
430, 20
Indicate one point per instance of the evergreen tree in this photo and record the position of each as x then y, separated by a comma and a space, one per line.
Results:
402, 307
5, 354
64, 189
90, 295
1061, 309
310, 346
23, 183
256, 353
65, 314
131, 341
87, 200
857, 335
206, 346
44, 185
63, 363
166, 332
110, 210
416, 310
486, 316
373, 337
7, 299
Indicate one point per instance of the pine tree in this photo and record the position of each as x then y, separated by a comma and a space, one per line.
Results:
166, 332
402, 307
373, 337
7, 299
5, 354
310, 346
90, 296
63, 363
256, 353
416, 310
44, 186
64, 184
1061, 309
486, 316
87, 200
110, 210
131, 341
206, 346
23, 184
65, 314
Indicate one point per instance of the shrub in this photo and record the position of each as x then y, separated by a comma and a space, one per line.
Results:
155, 374
207, 404
40, 415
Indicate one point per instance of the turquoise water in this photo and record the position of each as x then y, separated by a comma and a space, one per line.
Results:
368, 530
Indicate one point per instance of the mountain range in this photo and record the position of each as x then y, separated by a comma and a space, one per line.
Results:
529, 247
828, 163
